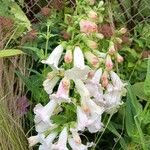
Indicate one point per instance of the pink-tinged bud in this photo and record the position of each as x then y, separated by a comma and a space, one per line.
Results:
87, 26
108, 63
91, 2
68, 56
123, 30
92, 15
91, 58
92, 44
104, 79
111, 49
119, 58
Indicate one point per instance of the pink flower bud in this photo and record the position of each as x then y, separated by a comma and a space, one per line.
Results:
91, 58
104, 79
108, 63
111, 49
119, 58
68, 56
87, 26
92, 44
92, 15
123, 30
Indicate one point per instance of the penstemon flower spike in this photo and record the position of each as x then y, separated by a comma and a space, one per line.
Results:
89, 83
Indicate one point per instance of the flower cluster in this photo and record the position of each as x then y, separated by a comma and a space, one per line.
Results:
91, 75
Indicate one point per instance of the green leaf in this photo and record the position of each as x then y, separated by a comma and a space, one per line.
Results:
147, 81
10, 52
20, 16
112, 129
138, 89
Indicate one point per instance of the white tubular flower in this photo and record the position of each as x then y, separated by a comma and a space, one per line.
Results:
62, 94
43, 114
78, 146
33, 140
82, 119
113, 99
62, 141
78, 58
54, 57
89, 116
49, 84
47, 142
117, 83
79, 71
81, 88
95, 88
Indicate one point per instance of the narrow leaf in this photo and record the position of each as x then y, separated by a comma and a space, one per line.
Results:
10, 52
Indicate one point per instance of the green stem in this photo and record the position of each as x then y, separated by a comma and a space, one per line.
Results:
47, 40
98, 139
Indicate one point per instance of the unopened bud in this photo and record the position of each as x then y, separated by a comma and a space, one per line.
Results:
68, 56
119, 58
111, 49
99, 36
92, 44
91, 58
104, 79
123, 30
92, 15
119, 40
108, 63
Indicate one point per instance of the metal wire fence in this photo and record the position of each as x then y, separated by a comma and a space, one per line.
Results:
129, 13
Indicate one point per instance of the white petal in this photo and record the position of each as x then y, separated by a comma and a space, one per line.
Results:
62, 94
62, 141
77, 73
33, 140
77, 146
54, 57
97, 76
43, 114
47, 142
81, 119
78, 58
50, 84
116, 81
81, 88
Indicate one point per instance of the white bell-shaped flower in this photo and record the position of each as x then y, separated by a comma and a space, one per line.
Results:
47, 142
54, 57
62, 94
79, 71
49, 84
95, 88
43, 114
116, 81
62, 141
112, 98
33, 140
